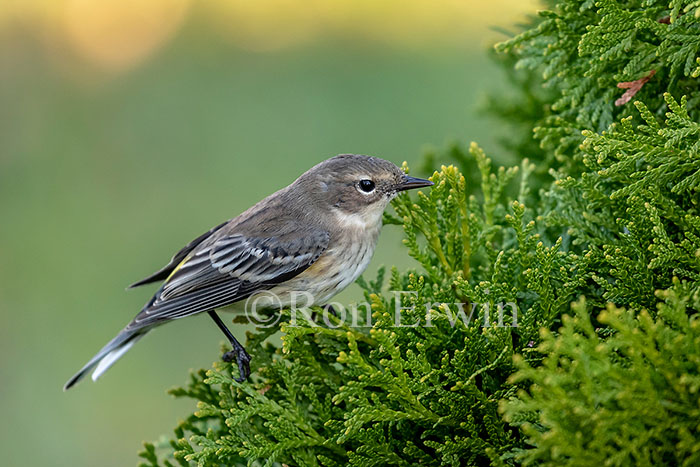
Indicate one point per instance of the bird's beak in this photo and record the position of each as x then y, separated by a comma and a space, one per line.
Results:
408, 183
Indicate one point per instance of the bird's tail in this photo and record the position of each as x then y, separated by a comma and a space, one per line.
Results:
106, 357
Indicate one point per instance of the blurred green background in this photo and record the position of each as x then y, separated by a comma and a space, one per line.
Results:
128, 128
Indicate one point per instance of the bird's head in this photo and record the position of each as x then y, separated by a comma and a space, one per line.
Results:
357, 188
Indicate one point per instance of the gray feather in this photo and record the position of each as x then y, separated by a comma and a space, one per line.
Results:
116, 348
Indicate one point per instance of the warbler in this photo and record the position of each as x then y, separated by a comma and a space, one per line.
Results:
317, 235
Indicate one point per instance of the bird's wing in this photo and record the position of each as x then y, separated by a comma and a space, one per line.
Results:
229, 270
166, 270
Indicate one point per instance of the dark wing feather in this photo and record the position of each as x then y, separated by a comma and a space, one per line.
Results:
229, 270
166, 270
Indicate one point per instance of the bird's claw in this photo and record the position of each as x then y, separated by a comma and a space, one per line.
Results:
242, 358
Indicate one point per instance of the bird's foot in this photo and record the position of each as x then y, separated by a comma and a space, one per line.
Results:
239, 354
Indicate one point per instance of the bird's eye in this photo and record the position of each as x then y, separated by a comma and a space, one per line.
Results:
366, 185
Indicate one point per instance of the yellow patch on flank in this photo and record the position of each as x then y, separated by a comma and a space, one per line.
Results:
177, 268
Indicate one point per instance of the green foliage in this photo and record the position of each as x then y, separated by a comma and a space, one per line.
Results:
636, 209
626, 195
579, 50
627, 399
607, 209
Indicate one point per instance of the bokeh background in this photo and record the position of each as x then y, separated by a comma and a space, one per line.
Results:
128, 127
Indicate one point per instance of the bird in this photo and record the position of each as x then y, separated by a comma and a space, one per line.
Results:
316, 235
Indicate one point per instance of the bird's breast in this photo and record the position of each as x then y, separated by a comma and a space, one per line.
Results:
347, 256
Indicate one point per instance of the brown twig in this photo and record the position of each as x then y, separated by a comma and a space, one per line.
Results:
632, 87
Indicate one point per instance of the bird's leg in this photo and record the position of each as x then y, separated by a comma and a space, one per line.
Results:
238, 352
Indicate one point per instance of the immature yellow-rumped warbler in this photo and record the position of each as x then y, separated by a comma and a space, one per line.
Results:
317, 236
